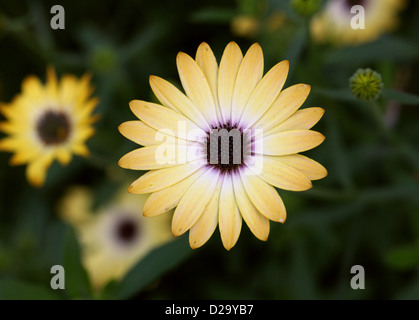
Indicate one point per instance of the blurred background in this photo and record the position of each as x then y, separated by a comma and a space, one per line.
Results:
366, 212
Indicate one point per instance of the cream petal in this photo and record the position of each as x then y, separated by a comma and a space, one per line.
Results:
227, 73
286, 104
205, 226
310, 168
159, 156
166, 199
194, 202
290, 142
264, 94
196, 86
264, 197
248, 76
283, 176
166, 121
229, 218
303, 119
257, 223
172, 97
208, 63
139, 132
156, 180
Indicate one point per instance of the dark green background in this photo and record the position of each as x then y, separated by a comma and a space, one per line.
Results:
366, 212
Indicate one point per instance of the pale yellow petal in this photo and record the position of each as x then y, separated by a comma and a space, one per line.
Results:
227, 73
196, 86
194, 202
166, 199
205, 226
257, 223
283, 176
173, 98
310, 168
286, 104
166, 121
156, 180
248, 76
264, 197
139, 132
208, 63
303, 119
265, 94
229, 218
147, 158
290, 142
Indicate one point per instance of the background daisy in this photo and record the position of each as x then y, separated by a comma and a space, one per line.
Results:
113, 237
333, 24
48, 122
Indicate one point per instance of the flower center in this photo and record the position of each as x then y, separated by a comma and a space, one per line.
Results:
126, 231
53, 127
226, 148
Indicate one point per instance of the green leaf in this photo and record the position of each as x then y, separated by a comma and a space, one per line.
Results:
402, 97
12, 289
403, 258
76, 280
153, 266
212, 15
386, 48
342, 94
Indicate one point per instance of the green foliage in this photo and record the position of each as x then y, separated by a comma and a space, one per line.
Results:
365, 212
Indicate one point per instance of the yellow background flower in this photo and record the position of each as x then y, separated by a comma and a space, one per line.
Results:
333, 24
47, 122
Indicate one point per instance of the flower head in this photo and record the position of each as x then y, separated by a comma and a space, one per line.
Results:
245, 26
47, 122
216, 152
114, 237
334, 22
366, 84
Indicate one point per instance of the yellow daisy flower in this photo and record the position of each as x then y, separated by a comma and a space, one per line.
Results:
333, 23
260, 133
116, 236
47, 122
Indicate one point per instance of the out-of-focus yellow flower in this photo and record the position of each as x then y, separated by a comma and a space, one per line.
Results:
114, 237
276, 20
48, 122
245, 26
333, 23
